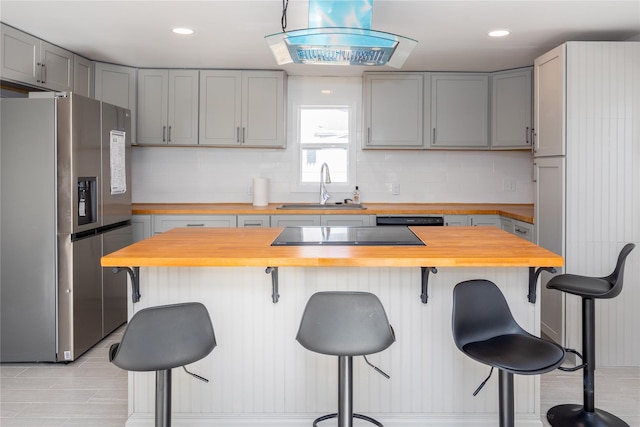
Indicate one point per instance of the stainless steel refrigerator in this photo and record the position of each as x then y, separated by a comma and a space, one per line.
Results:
65, 202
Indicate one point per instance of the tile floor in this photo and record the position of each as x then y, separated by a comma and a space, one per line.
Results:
91, 392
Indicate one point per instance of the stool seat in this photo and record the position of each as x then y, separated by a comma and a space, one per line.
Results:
593, 287
516, 353
345, 324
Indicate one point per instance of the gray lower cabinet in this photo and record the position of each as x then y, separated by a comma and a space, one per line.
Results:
141, 227
524, 230
456, 220
485, 221
348, 220
254, 221
162, 223
295, 220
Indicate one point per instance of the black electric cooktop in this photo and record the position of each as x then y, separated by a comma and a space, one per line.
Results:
347, 236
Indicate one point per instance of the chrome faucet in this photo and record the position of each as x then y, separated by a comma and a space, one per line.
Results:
324, 179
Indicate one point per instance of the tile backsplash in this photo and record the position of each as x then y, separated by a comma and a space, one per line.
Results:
221, 175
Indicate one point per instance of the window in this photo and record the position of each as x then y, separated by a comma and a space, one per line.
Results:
324, 138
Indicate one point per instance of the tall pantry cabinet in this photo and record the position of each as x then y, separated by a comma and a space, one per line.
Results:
587, 171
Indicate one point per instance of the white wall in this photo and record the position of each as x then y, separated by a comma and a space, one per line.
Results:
218, 175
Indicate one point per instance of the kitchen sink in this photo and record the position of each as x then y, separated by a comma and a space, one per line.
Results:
328, 206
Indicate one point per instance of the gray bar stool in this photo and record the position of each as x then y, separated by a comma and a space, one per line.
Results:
161, 338
484, 329
345, 324
588, 288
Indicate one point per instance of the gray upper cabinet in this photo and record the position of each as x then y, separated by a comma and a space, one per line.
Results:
167, 107
29, 60
116, 84
511, 109
83, 76
242, 108
459, 110
549, 103
393, 110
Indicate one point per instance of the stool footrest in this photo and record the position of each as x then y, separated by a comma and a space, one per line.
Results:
575, 368
359, 416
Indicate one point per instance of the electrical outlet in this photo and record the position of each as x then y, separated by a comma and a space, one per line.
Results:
509, 184
250, 190
395, 189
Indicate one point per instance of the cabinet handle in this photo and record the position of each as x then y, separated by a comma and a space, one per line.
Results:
238, 134
44, 73
39, 73
526, 135
195, 225
164, 134
243, 135
520, 231
533, 173
169, 134
368, 135
434, 136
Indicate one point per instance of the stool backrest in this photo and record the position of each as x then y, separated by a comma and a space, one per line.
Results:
480, 312
345, 324
616, 277
165, 337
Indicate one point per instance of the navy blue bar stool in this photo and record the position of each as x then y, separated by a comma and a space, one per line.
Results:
484, 329
161, 338
589, 289
345, 324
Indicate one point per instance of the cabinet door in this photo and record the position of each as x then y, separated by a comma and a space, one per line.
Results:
220, 108
83, 80
245, 221
549, 103
162, 223
550, 230
153, 91
57, 67
140, 227
511, 109
262, 109
183, 107
19, 56
116, 84
345, 220
524, 230
485, 221
393, 110
456, 220
294, 220
460, 110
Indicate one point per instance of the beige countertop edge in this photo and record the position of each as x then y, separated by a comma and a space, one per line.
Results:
521, 212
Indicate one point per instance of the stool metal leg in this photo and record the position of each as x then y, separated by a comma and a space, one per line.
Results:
345, 413
163, 398
345, 391
507, 413
585, 415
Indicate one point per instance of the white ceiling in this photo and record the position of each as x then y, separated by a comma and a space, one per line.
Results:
452, 35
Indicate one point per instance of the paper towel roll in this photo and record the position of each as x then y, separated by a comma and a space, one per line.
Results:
260, 191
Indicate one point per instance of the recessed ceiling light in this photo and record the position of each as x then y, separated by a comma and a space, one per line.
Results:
186, 31
499, 33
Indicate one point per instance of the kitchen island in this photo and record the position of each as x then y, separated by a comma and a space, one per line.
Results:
260, 376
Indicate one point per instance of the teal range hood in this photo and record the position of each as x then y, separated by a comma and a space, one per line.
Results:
340, 33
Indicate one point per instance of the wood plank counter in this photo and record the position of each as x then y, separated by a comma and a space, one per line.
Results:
261, 377
521, 212
445, 247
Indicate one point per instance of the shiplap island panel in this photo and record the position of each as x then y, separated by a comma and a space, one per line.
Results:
260, 376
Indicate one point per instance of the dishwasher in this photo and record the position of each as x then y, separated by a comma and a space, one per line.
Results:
416, 221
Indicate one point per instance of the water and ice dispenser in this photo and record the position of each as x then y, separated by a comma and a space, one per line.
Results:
87, 200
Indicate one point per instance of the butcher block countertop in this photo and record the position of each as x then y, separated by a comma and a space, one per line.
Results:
251, 247
521, 212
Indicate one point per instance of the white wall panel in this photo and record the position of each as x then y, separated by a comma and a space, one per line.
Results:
603, 188
260, 374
